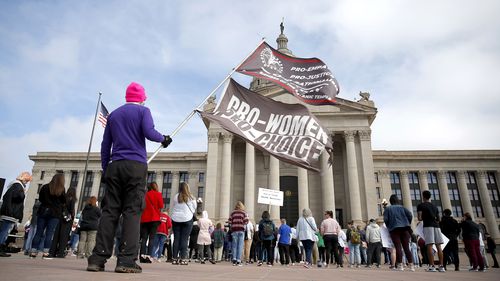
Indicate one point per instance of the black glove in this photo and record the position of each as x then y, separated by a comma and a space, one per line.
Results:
166, 141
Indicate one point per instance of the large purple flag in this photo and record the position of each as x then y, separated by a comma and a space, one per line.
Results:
287, 131
307, 78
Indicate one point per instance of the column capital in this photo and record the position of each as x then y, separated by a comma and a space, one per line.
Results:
349, 135
193, 174
422, 173
403, 173
461, 174
481, 174
365, 135
442, 174
228, 137
213, 136
383, 173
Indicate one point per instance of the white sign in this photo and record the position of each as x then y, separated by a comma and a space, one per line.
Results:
270, 196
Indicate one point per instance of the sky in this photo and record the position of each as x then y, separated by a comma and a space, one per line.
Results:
431, 67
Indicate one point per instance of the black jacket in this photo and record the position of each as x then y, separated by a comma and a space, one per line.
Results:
90, 218
52, 205
13, 202
449, 227
470, 230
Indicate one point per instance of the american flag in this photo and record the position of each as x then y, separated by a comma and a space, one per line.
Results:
103, 115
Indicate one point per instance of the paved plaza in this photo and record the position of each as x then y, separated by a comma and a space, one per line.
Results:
19, 267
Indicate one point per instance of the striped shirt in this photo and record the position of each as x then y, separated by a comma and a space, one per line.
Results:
238, 219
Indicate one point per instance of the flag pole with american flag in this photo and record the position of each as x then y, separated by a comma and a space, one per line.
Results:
101, 114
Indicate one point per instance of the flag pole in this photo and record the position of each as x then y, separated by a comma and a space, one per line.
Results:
88, 153
183, 123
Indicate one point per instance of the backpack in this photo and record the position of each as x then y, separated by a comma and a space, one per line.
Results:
268, 229
355, 237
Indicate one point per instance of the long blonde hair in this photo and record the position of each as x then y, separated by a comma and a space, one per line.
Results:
184, 193
239, 206
56, 185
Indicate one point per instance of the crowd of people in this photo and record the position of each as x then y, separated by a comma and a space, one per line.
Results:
181, 235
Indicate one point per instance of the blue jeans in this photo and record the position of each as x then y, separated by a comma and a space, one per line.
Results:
158, 245
5, 228
354, 254
237, 249
29, 240
47, 224
182, 230
308, 245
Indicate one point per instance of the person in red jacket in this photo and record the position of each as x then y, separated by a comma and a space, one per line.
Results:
161, 235
150, 220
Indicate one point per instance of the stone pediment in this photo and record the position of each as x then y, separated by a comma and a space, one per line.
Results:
364, 107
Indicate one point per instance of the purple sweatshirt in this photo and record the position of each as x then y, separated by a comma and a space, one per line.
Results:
126, 130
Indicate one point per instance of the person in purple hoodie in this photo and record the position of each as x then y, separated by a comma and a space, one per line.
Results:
124, 164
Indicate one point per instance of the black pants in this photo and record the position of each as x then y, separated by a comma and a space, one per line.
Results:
294, 251
125, 190
331, 245
181, 237
60, 239
267, 245
373, 251
284, 251
148, 233
450, 253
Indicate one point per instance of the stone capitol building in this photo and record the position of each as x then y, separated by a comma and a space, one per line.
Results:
354, 186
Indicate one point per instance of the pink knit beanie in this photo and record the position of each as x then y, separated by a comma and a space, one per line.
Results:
135, 93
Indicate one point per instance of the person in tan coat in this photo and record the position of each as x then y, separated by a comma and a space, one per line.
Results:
204, 238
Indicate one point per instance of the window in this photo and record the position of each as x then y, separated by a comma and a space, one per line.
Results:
379, 194
456, 205
396, 185
376, 177
166, 189
74, 179
434, 190
102, 190
414, 191
491, 184
42, 175
87, 187
201, 177
183, 177
475, 200
151, 177
201, 192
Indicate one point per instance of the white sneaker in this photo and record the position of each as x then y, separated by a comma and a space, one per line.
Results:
412, 268
441, 269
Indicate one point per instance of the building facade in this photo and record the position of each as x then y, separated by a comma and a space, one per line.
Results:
354, 186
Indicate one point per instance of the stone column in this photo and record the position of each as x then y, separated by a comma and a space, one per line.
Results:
368, 173
405, 190
352, 173
443, 190
327, 186
303, 186
386, 184
487, 206
226, 169
211, 176
422, 179
96, 184
274, 183
175, 186
464, 193
250, 180
67, 179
